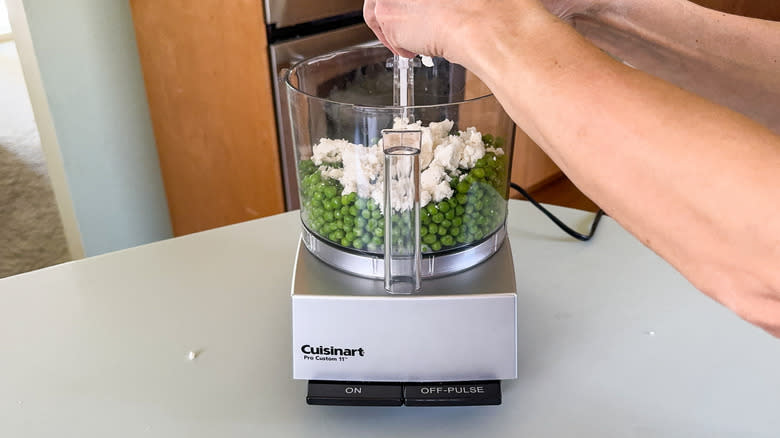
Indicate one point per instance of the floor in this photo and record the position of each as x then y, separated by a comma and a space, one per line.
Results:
31, 233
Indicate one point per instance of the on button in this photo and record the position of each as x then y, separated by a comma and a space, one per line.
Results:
354, 393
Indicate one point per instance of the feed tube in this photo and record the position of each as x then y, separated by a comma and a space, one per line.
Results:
403, 256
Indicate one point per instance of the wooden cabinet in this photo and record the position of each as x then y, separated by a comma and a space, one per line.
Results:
531, 167
205, 65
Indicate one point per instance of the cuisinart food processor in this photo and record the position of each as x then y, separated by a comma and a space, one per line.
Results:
404, 288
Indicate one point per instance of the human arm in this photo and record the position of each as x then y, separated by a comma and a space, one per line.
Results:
694, 181
731, 60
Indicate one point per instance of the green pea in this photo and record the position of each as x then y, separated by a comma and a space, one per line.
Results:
360, 203
462, 199
454, 231
431, 209
371, 206
429, 238
442, 231
433, 228
444, 207
345, 242
357, 243
350, 236
366, 238
449, 215
423, 231
446, 223
425, 219
463, 186
438, 218
376, 214
447, 240
379, 232
457, 222
377, 240
337, 214
478, 173
459, 210
361, 222
353, 211
366, 214
371, 246
436, 246
328, 216
352, 197
330, 192
345, 200
487, 138
318, 196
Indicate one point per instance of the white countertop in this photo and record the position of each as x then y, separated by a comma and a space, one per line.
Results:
613, 343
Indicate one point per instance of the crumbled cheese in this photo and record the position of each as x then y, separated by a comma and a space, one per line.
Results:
441, 157
329, 151
497, 151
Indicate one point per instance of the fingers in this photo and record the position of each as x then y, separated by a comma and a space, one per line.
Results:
369, 14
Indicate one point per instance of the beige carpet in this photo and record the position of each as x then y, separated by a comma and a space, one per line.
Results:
31, 234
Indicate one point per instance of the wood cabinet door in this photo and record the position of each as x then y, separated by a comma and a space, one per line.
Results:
205, 65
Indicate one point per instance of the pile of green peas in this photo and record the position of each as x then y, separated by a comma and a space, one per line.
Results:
476, 209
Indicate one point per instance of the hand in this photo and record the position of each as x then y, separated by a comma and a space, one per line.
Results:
440, 27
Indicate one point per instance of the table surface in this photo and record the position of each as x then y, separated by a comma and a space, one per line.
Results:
612, 341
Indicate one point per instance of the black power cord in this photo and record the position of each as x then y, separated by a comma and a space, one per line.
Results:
564, 227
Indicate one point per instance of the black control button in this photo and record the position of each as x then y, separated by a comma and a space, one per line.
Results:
354, 393
453, 393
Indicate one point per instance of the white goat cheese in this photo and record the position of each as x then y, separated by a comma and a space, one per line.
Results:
441, 157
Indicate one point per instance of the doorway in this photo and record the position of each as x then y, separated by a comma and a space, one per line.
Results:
31, 230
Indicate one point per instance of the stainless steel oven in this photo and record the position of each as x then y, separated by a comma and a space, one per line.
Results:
299, 29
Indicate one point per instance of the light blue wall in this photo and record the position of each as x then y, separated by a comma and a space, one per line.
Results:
91, 73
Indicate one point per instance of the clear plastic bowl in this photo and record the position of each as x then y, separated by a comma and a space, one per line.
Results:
340, 102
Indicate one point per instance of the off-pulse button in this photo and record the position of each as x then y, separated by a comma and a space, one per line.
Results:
354, 393
453, 394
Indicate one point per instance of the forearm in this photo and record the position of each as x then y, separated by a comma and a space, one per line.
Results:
731, 60
696, 182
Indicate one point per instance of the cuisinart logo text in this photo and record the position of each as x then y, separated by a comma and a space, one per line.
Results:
330, 353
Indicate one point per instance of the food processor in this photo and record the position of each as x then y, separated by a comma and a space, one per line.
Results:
403, 290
